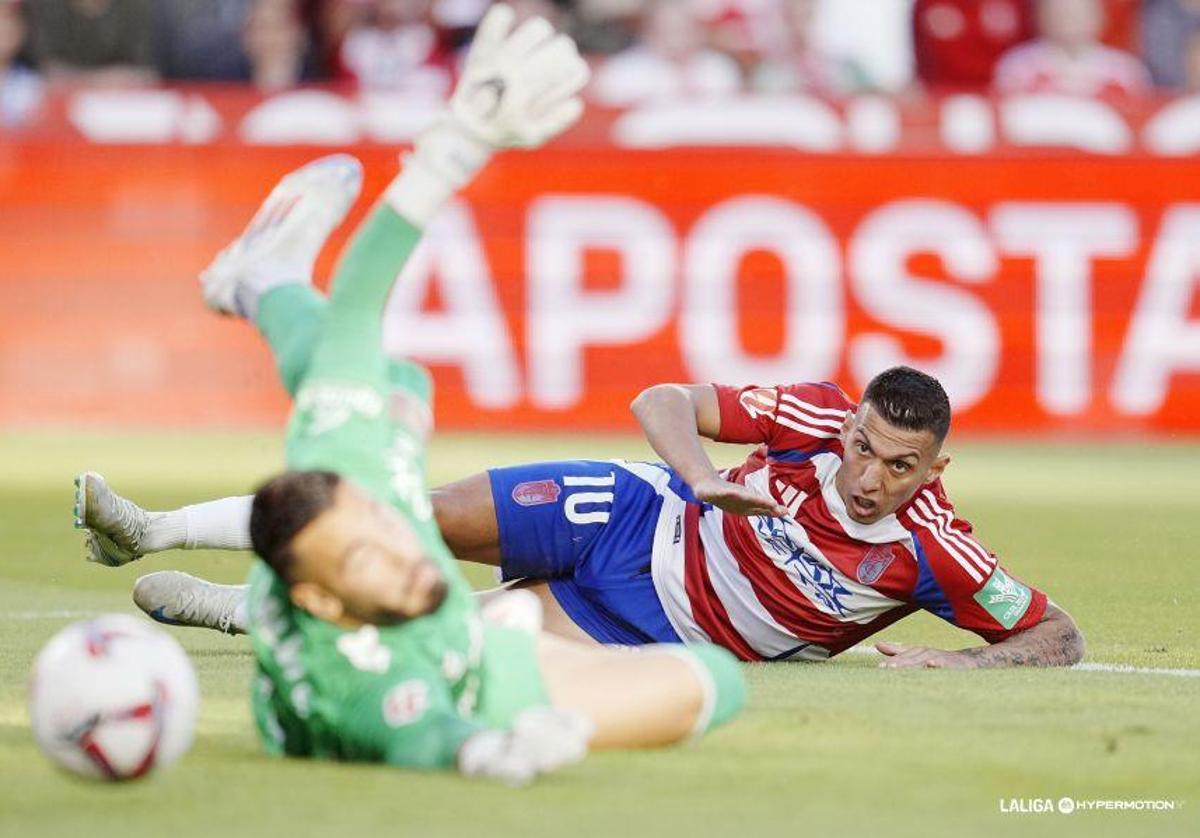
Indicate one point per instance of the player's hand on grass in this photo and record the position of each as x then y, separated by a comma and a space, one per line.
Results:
900, 656
737, 499
519, 88
541, 740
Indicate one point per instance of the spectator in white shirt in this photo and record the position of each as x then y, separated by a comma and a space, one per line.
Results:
1068, 57
800, 64
398, 48
669, 61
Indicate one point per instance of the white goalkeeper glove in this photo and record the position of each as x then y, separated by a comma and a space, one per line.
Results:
519, 88
541, 740
515, 609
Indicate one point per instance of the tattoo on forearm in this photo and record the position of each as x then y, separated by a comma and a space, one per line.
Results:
1055, 642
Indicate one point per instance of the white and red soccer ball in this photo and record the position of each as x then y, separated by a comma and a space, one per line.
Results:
113, 698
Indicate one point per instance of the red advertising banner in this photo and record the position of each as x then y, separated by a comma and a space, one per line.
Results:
1049, 290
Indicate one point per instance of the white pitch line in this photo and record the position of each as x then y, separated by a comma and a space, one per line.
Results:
1080, 667
46, 615
854, 650
1136, 670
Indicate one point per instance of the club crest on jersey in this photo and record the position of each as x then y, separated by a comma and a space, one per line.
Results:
536, 492
873, 565
405, 703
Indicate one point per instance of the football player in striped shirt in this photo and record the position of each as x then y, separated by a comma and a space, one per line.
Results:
861, 534
835, 526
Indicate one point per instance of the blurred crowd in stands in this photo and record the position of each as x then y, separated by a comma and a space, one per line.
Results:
642, 50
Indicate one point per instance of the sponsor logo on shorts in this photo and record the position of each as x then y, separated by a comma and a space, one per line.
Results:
1004, 598
536, 492
872, 566
405, 703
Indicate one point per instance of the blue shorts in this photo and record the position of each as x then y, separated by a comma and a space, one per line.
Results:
586, 526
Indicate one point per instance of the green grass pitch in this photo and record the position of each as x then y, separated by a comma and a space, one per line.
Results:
843, 748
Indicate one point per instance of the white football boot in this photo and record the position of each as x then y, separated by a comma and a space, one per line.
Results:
281, 243
113, 525
179, 599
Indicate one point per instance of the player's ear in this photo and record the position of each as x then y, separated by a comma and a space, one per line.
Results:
937, 467
316, 601
847, 427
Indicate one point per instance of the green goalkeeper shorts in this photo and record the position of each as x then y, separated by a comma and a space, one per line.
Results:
511, 677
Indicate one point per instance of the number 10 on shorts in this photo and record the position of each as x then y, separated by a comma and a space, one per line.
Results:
577, 499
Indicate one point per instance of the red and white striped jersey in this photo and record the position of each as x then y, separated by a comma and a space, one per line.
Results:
816, 584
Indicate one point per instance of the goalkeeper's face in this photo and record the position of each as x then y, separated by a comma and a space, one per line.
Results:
359, 561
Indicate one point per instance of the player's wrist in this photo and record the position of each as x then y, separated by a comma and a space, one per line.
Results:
704, 479
445, 158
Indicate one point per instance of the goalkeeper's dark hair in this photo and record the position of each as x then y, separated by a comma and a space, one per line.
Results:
282, 507
910, 399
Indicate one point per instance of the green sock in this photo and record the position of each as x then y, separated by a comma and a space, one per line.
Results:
350, 346
290, 317
727, 677
723, 679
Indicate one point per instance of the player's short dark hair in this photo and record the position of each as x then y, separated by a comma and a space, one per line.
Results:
910, 399
282, 507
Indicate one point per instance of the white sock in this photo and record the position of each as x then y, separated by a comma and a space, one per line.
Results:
166, 531
222, 524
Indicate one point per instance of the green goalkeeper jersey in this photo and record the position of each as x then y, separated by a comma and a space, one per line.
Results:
408, 694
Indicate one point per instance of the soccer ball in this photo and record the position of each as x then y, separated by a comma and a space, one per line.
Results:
113, 698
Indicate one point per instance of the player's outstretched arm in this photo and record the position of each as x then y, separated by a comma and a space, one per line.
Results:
1055, 640
674, 417
520, 87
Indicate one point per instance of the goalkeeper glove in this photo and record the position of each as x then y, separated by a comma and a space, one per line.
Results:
519, 88
541, 740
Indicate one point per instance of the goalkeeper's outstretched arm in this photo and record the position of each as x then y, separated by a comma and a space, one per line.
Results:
520, 87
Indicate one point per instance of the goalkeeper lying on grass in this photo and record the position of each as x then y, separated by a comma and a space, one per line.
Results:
370, 644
